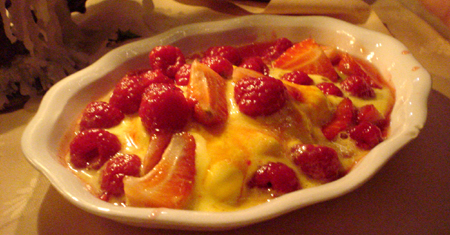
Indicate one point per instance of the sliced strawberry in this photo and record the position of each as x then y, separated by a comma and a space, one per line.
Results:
156, 147
307, 56
342, 119
349, 66
332, 53
206, 89
240, 73
171, 181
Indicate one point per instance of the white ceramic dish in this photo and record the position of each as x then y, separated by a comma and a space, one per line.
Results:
65, 100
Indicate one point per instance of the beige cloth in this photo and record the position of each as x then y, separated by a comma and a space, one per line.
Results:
350, 10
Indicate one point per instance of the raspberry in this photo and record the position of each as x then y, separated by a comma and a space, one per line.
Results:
274, 51
219, 64
318, 162
115, 169
357, 86
228, 52
366, 135
127, 94
298, 77
167, 58
92, 148
182, 75
275, 176
329, 88
100, 114
148, 76
164, 108
259, 96
255, 63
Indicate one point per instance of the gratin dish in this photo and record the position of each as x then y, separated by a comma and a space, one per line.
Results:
66, 99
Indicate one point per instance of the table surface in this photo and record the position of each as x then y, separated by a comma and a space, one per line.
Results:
409, 195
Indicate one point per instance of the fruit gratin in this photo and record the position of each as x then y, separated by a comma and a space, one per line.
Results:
229, 127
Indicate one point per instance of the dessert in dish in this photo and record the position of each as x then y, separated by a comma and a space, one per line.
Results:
230, 127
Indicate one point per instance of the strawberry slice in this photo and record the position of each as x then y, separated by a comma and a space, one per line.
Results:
156, 147
342, 119
350, 66
332, 53
206, 89
171, 181
240, 73
307, 56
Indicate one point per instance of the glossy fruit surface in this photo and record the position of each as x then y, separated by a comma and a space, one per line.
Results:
100, 114
369, 113
349, 66
92, 148
255, 63
318, 162
298, 77
163, 108
167, 58
308, 57
276, 49
343, 118
182, 75
206, 90
127, 94
171, 181
367, 135
115, 169
219, 64
275, 176
259, 96
357, 86
329, 88
149, 76
228, 52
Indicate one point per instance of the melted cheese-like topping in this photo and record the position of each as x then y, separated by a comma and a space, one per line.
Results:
226, 160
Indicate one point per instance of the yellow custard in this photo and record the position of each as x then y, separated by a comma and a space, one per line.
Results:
226, 159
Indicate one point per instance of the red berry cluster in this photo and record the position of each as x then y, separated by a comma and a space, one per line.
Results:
318, 162
364, 125
152, 94
262, 96
155, 95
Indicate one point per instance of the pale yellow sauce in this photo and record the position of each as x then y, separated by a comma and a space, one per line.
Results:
226, 161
